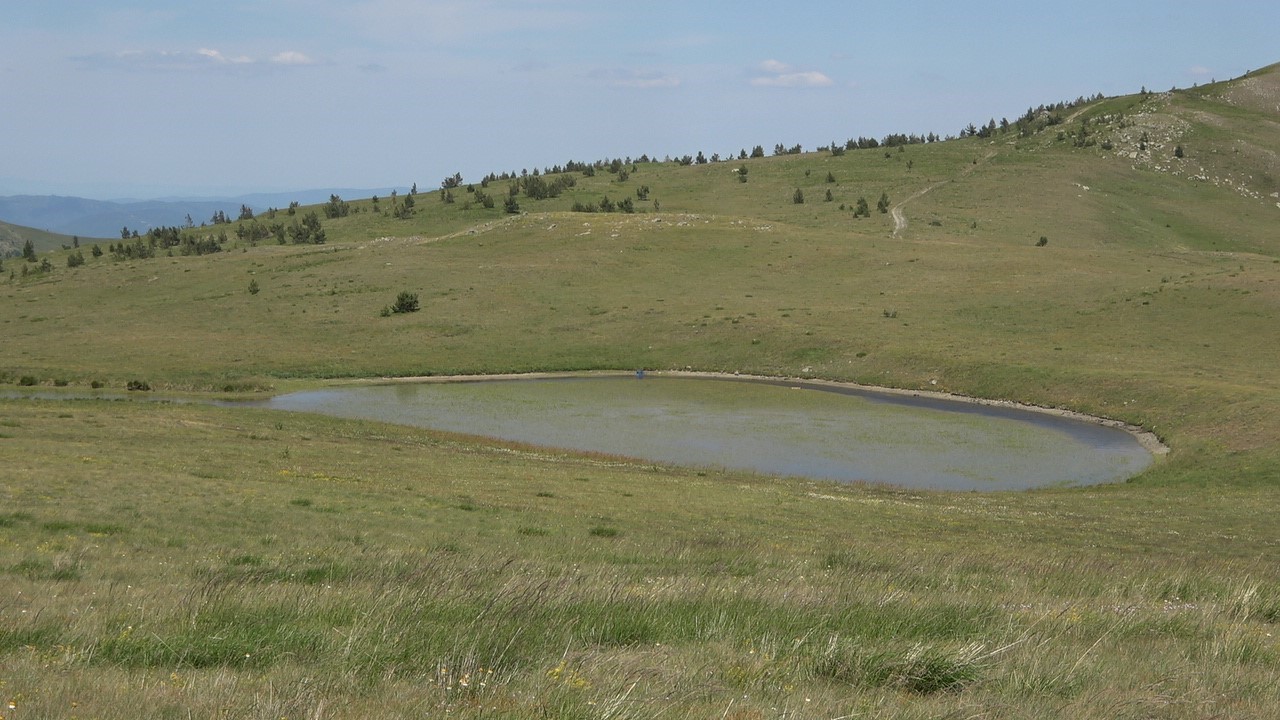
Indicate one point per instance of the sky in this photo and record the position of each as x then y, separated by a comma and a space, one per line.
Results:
113, 99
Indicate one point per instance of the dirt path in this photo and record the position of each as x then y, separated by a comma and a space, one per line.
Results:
900, 218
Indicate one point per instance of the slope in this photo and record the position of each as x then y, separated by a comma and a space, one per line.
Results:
13, 237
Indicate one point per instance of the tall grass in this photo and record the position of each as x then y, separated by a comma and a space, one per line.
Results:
720, 593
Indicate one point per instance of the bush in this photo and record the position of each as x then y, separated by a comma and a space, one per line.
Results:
798, 197
28, 381
139, 385
406, 302
1042, 241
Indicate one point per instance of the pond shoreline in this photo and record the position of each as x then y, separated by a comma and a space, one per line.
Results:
1149, 440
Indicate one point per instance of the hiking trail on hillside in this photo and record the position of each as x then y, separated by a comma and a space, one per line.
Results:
900, 218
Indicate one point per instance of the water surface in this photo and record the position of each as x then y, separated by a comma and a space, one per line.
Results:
773, 428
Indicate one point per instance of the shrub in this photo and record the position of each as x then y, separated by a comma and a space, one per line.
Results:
798, 197
1042, 241
406, 302
140, 385
28, 380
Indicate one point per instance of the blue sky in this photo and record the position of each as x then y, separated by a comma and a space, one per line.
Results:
143, 98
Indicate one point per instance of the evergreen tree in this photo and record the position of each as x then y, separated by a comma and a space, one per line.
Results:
406, 302
309, 231
29, 251
336, 208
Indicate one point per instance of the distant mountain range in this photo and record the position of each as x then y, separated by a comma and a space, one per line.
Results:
105, 218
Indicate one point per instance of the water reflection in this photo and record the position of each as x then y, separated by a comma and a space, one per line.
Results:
775, 428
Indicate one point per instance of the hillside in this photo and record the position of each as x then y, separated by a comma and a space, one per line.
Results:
1116, 257
105, 218
14, 237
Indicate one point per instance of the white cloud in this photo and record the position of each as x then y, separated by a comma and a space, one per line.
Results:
773, 67
187, 61
220, 59
290, 57
780, 74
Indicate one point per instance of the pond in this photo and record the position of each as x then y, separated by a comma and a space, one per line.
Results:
770, 427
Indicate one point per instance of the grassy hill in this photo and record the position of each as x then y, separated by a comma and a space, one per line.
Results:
14, 237
1119, 258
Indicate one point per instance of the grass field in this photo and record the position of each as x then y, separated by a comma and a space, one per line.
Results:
165, 559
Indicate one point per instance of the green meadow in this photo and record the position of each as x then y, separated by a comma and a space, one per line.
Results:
162, 558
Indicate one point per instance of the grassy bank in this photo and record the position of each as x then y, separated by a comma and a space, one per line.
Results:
265, 565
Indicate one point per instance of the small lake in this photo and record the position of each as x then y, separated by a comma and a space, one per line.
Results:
776, 428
